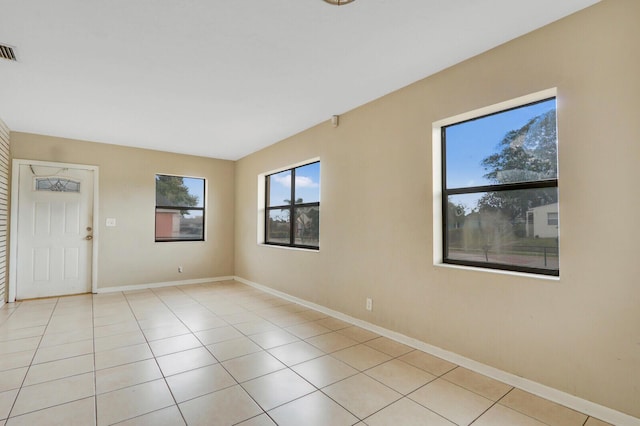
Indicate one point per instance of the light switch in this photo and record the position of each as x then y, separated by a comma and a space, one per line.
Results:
111, 221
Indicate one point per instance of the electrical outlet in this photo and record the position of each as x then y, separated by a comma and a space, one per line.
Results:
369, 304
180, 269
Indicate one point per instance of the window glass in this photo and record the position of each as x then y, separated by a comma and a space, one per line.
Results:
279, 188
308, 183
503, 228
179, 208
517, 145
500, 190
292, 211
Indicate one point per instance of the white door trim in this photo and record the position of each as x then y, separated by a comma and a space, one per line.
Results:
13, 233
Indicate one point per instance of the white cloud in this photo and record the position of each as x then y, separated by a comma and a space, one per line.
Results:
301, 181
305, 182
283, 180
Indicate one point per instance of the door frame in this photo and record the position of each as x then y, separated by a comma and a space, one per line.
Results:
13, 233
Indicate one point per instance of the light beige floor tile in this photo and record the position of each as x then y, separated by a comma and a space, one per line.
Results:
158, 333
261, 420
478, 383
271, 339
120, 356
113, 319
54, 339
174, 344
361, 395
277, 388
19, 345
251, 366
169, 416
67, 350
56, 392
595, 422
288, 320
388, 346
295, 353
324, 371
406, 412
75, 413
315, 409
361, 357
358, 334
400, 376
255, 327
542, 409
233, 348
133, 401
59, 369
16, 360
113, 329
331, 342
308, 329
313, 315
427, 362
119, 341
7, 399
22, 333
12, 379
185, 361
122, 376
451, 401
217, 335
241, 317
201, 324
499, 415
163, 321
225, 407
195, 383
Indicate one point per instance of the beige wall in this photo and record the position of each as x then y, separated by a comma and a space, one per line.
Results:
128, 254
580, 334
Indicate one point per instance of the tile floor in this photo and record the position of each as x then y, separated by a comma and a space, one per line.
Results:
225, 354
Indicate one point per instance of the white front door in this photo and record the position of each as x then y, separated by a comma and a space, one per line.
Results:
55, 234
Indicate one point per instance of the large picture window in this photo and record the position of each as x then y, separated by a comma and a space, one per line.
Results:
292, 211
180, 207
500, 190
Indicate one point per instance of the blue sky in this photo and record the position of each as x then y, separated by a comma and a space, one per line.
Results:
470, 142
196, 187
307, 185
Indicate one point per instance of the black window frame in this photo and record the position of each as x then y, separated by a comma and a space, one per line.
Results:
180, 209
292, 206
446, 192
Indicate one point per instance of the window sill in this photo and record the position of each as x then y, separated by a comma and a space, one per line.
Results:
498, 271
290, 248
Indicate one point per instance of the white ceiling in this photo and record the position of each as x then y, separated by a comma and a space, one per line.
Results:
224, 78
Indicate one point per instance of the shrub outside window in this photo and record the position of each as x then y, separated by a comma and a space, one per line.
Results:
179, 208
292, 211
500, 190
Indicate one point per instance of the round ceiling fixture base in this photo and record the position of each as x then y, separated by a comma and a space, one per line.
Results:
339, 2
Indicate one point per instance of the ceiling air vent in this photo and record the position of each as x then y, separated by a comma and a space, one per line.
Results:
6, 52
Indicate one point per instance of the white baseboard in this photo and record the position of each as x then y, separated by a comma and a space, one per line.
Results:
162, 284
582, 405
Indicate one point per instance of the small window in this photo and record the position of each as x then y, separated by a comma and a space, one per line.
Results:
56, 184
292, 210
180, 206
500, 190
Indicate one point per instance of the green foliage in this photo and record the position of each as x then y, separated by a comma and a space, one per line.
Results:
171, 191
525, 154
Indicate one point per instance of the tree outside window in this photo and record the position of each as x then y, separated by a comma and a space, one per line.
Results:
179, 208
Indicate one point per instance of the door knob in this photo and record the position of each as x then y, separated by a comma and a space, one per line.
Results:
89, 237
